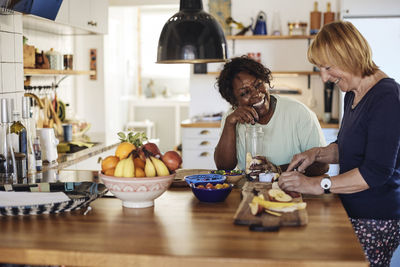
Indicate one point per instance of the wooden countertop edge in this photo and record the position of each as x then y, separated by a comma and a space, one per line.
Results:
87, 258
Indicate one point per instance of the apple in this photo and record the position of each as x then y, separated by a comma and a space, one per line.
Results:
152, 149
172, 160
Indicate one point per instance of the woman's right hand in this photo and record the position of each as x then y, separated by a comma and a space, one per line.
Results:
243, 114
302, 160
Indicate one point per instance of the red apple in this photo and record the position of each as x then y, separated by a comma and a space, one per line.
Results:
152, 149
172, 160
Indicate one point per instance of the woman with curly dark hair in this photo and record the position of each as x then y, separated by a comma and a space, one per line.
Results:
289, 126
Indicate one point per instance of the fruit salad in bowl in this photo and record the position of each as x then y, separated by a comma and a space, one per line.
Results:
138, 173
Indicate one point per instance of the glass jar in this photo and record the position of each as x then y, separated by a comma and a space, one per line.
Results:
254, 151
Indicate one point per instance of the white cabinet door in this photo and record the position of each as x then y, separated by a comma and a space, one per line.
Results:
99, 15
63, 13
79, 13
91, 15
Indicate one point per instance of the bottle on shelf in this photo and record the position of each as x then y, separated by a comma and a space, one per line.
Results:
38, 154
18, 139
8, 174
31, 163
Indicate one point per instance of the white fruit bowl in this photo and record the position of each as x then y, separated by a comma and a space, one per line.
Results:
137, 192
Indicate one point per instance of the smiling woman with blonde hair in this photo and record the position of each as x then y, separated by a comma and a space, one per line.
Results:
368, 144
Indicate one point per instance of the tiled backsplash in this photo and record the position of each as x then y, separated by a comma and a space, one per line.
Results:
11, 58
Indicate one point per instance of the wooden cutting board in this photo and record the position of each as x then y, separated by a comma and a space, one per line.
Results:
265, 221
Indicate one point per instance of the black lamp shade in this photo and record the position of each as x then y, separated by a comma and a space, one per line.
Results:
191, 36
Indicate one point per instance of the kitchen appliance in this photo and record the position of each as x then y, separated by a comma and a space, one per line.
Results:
380, 25
49, 144
260, 27
42, 8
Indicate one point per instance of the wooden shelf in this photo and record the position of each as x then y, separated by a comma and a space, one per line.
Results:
268, 37
283, 73
39, 72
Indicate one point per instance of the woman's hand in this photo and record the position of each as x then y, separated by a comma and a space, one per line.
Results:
243, 114
296, 181
302, 160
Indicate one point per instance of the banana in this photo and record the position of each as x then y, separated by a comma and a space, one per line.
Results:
119, 169
161, 168
149, 168
129, 167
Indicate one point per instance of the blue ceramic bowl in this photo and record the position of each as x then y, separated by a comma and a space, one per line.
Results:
218, 178
210, 195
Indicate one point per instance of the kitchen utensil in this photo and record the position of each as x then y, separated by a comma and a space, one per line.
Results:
315, 20
329, 16
276, 24
260, 27
266, 221
218, 178
137, 192
210, 194
49, 144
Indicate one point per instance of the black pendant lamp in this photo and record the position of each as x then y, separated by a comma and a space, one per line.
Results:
191, 36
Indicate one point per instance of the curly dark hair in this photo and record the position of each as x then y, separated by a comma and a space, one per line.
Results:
232, 68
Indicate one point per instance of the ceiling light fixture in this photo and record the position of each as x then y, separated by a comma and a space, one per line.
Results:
191, 36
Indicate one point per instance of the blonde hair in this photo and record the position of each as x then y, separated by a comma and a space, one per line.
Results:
340, 44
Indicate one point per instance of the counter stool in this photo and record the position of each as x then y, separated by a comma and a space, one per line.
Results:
149, 126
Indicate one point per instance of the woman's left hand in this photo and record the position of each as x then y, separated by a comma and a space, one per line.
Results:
298, 182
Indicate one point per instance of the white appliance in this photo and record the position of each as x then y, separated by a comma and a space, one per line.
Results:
379, 23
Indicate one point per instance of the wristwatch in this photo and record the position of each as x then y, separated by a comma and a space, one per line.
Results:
326, 183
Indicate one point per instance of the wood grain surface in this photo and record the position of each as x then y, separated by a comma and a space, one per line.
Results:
178, 231
243, 215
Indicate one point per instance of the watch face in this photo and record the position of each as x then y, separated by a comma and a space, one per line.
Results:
326, 183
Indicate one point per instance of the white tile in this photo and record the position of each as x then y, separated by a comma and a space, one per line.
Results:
7, 47
18, 48
18, 23
7, 23
8, 77
19, 77
1, 79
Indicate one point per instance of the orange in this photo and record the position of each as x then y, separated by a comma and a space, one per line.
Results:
109, 163
109, 172
139, 163
139, 172
124, 149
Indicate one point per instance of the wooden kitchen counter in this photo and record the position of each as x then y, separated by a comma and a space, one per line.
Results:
178, 231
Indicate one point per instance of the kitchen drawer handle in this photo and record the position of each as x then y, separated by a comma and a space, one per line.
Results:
204, 154
205, 132
204, 143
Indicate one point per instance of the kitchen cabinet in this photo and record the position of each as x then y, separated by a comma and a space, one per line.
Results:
91, 15
198, 144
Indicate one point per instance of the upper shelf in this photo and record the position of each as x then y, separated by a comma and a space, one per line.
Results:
283, 73
40, 72
268, 37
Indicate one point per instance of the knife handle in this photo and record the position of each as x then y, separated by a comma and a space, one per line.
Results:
261, 228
